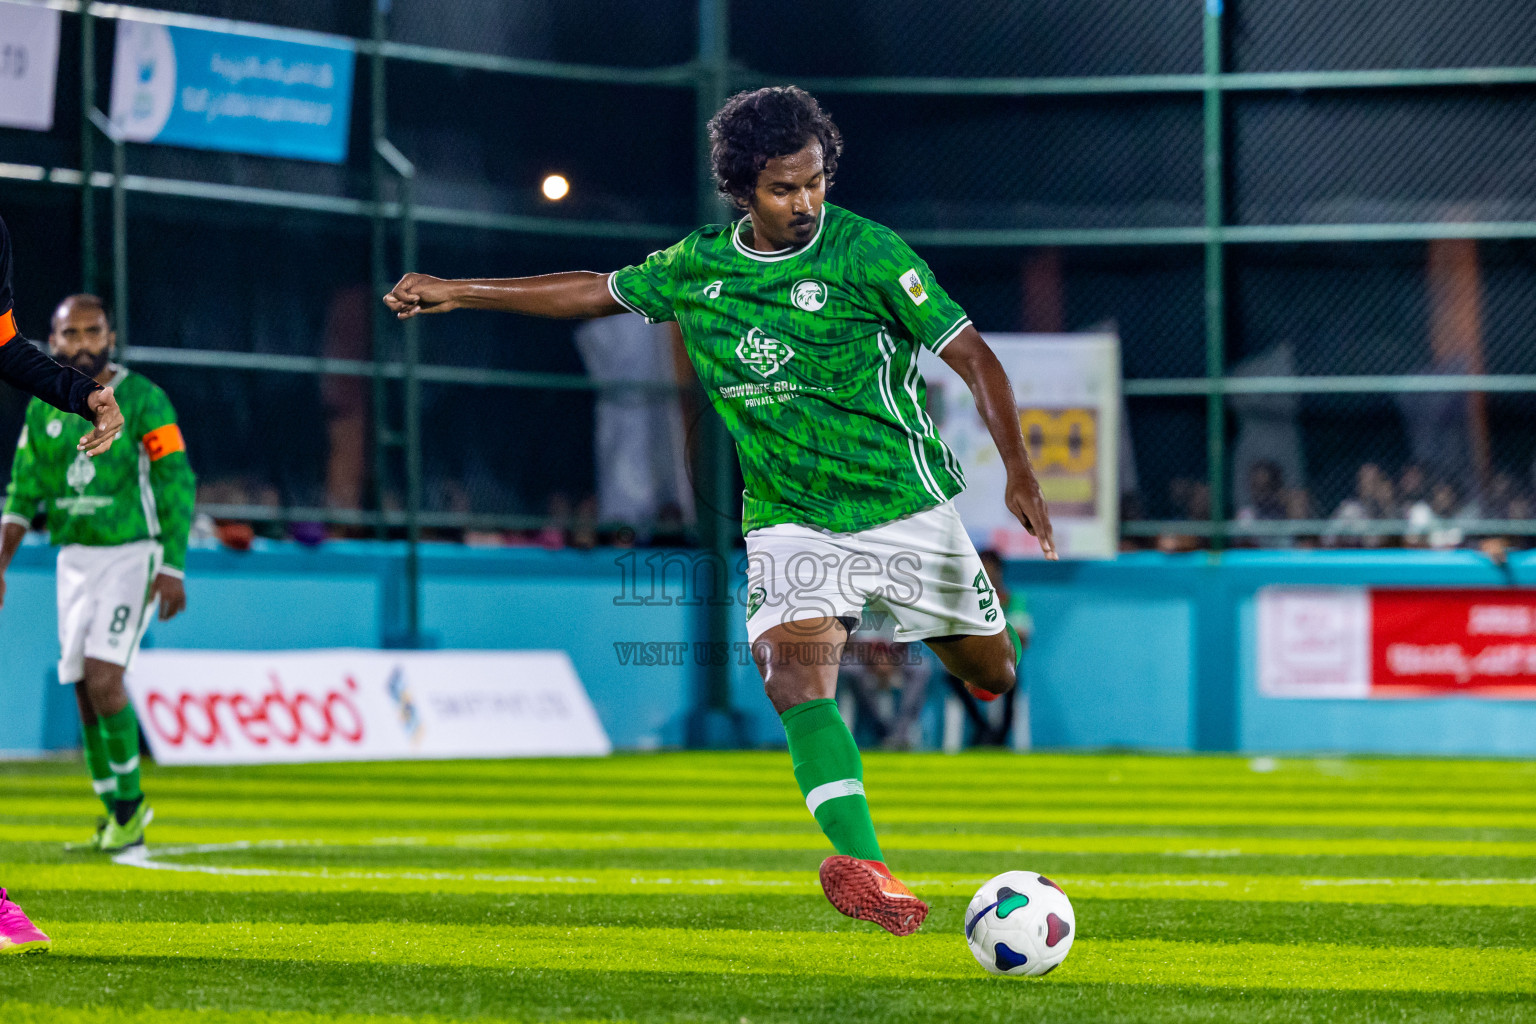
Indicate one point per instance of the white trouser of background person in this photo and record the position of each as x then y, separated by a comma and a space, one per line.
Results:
921, 568
639, 434
104, 603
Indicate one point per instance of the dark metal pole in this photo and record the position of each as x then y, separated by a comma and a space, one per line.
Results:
411, 378
87, 149
1215, 275
380, 267
412, 425
719, 521
120, 245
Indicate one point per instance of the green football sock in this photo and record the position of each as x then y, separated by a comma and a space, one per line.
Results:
103, 779
1018, 646
122, 731
831, 777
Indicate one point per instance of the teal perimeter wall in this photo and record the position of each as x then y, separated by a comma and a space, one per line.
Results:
1150, 651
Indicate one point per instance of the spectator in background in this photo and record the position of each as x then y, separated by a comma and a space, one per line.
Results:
1374, 498
1429, 521
1189, 500
347, 399
1266, 493
638, 433
1412, 487
1506, 500
888, 684
1268, 499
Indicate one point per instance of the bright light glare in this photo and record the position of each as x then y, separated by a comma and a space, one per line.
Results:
555, 187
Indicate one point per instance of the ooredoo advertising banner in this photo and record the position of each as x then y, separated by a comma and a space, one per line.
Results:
29, 65
240, 90
1396, 642
259, 707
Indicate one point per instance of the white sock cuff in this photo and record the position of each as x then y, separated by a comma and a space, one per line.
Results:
104, 786
131, 765
831, 791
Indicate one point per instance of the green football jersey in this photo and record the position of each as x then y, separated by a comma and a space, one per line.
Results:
142, 488
810, 356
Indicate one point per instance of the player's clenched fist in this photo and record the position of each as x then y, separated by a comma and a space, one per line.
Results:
421, 293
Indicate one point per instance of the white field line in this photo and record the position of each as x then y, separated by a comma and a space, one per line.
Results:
142, 857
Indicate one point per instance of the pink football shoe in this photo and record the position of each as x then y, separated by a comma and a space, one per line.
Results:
17, 933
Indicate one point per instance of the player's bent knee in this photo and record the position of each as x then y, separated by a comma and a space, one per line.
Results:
104, 687
788, 685
999, 680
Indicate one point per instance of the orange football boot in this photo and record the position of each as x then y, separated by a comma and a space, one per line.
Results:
864, 889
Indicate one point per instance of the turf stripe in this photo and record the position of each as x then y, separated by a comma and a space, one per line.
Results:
726, 951
938, 787
42, 1013
808, 839
891, 811
1255, 888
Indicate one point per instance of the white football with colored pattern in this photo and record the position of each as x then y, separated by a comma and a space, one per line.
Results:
1020, 923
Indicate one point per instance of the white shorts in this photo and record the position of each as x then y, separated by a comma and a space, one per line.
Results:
104, 603
922, 570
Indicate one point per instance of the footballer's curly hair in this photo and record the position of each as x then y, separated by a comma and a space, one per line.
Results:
754, 127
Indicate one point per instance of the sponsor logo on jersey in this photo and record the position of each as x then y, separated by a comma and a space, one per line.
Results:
914, 287
761, 354
54, 428
712, 290
809, 294
755, 600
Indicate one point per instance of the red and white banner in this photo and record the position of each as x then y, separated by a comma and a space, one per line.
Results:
257, 707
1359, 642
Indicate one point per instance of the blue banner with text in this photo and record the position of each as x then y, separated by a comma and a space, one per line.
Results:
247, 93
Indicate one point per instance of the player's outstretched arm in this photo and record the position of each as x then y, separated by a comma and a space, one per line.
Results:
970, 357
576, 295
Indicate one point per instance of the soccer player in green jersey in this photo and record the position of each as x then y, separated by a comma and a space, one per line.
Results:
803, 322
123, 520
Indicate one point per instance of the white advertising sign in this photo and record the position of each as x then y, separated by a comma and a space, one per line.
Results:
1067, 387
1314, 642
29, 65
260, 707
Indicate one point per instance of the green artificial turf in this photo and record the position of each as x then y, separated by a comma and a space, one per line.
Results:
683, 887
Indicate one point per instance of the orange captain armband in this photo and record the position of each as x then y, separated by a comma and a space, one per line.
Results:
7, 326
164, 441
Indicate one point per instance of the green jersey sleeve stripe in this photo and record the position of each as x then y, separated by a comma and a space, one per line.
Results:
147, 496
887, 383
931, 432
613, 289
950, 335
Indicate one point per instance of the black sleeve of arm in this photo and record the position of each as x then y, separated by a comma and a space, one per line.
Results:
62, 387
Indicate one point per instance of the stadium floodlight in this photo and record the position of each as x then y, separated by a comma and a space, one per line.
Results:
555, 187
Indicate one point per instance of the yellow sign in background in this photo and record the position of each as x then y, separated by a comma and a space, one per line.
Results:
1063, 445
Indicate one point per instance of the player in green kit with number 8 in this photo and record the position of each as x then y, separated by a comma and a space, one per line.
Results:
122, 519
803, 322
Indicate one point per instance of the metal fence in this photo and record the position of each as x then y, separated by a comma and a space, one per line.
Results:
1280, 206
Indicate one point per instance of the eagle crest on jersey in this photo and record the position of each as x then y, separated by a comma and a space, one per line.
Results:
763, 355
809, 295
